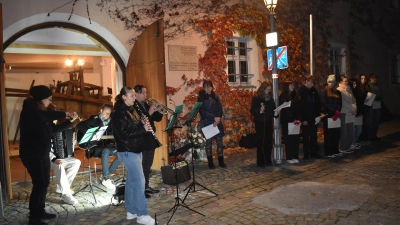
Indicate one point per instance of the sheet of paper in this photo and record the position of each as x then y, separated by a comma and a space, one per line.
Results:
358, 121
284, 105
350, 118
210, 131
334, 124
370, 97
293, 129
376, 105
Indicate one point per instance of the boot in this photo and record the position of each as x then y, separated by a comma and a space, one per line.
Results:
221, 161
210, 162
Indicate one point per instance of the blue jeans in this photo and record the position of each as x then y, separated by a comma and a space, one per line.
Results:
357, 132
104, 153
135, 201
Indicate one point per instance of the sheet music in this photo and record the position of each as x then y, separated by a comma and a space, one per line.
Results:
334, 124
284, 105
370, 97
293, 129
99, 133
210, 131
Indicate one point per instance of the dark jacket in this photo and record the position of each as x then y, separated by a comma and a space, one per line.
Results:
256, 108
374, 88
330, 104
210, 109
148, 142
36, 129
310, 104
358, 95
127, 128
292, 113
93, 121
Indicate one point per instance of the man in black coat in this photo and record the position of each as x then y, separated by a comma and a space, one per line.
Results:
104, 148
149, 145
311, 111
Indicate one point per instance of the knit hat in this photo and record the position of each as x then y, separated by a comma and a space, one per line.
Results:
40, 92
331, 78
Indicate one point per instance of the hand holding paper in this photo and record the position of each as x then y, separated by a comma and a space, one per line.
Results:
337, 115
296, 122
317, 120
284, 105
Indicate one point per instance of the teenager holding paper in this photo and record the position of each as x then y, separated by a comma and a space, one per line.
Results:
374, 112
211, 113
331, 101
290, 115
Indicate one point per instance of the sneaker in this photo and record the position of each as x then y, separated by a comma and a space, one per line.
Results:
130, 216
59, 191
331, 156
358, 145
108, 184
147, 220
338, 154
345, 151
290, 161
69, 199
295, 160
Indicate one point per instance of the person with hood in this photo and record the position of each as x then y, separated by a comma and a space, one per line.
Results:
374, 112
290, 115
37, 128
262, 109
129, 129
311, 110
105, 148
211, 113
348, 107
331, 101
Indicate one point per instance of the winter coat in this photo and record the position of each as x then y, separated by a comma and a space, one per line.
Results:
330, 104
359, 100
348, 100
36, 129
310, 104
255, 109
292, 113
127, 128
210, 109
149, 142
374, 88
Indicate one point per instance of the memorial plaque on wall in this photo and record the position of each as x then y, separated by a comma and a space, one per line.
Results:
182, 58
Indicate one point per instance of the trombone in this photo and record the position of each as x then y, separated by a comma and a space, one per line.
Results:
159, 107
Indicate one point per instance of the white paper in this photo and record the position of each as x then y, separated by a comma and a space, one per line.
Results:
370, 97
359, 120
376, 105
284, 105
334, 124
210, 131
293, 129
350, 118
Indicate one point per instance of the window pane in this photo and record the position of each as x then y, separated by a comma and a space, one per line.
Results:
244, 79
231, 47
243, 67
242, 49
232, 78
231, 67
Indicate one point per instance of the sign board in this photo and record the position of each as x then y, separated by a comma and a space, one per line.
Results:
281, 58
182, 58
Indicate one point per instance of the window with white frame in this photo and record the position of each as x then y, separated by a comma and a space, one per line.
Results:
335, 61
394, 68
238, 62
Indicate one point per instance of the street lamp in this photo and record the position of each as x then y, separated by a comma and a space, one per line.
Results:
278, 150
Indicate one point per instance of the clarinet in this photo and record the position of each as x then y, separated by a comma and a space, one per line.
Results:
143, 116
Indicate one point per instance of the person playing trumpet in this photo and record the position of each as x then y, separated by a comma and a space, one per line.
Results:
149, 146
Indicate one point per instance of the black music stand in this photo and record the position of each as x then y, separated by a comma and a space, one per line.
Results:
170, 129
91, 135
188, 122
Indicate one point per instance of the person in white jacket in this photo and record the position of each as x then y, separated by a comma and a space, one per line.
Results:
348, 107
64, 177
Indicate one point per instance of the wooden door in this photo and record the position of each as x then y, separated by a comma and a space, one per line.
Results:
146, 66
5, 172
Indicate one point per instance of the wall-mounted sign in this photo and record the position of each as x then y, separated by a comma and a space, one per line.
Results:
182, 57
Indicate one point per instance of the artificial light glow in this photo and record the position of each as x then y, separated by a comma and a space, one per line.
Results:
68, 62
81, 62
271, 5
272, 39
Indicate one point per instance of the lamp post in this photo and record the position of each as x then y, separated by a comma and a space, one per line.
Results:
278, 150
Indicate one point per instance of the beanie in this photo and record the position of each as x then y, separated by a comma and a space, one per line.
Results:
40, 92
331, 78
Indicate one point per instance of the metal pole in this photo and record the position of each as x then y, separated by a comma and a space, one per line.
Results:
278, 150
311, 47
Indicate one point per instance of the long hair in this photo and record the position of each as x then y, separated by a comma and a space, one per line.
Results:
285, 89
332, 93
124, 91
261, 90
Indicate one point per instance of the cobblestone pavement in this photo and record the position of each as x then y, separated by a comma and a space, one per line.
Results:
375, 167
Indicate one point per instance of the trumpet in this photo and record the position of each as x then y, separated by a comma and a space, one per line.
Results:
159, 107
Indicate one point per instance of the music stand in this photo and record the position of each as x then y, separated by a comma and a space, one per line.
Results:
188, 122
170, 129
92, 135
